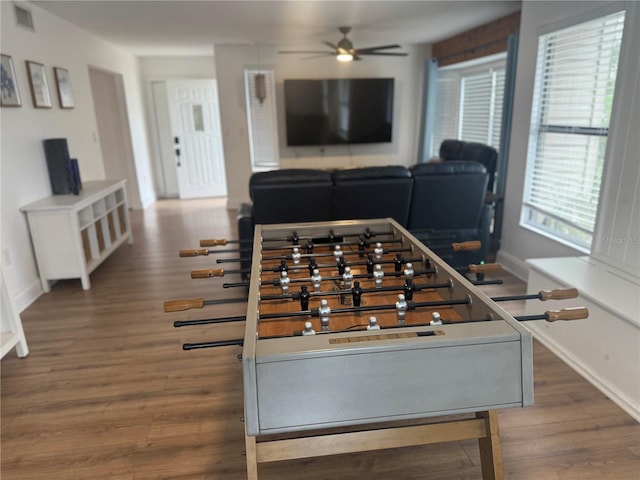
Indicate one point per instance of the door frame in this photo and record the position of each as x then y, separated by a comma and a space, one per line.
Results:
161, 135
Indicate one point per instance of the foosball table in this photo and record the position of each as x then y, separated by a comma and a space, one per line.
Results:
358, 337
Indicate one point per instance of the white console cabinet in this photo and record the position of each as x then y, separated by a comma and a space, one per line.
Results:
73, 234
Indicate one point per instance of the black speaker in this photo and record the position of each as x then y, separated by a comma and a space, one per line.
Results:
59, 164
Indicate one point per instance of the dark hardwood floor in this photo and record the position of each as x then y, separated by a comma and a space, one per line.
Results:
108, 393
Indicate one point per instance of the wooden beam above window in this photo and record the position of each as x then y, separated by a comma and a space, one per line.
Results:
476, 43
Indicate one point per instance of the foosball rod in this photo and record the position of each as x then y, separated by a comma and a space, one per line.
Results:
481, 268
542, 295
366, 234
187, 304
197, 252
566, 314
456, 247
317, 255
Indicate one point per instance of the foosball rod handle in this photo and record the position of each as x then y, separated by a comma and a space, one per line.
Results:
542, 295
558, 294
207, 273
194, 252
485, 268
185, 304
470, 245
571, 313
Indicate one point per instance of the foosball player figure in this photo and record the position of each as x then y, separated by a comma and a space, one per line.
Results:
309, 246
342, 264
378, 251
283, 266
401, 309
308, 329
312, 265
324, 311
296, 256
397, 262
377, 276
409, 272
409, 288
304, 298
347, 278
316, 280
356, 293
337, 252
284, 282
362, 245
370, 264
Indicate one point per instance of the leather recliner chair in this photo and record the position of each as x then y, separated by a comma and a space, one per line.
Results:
448, 206
372, 192
471, 151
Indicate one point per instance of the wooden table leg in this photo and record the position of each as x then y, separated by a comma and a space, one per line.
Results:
490, 451
250, 453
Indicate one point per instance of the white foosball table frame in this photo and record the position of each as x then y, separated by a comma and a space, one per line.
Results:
286, 420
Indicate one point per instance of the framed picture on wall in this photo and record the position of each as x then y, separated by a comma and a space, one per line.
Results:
10, 96
63, 85
39, 86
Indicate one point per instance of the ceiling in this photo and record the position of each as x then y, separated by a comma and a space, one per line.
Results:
177, 28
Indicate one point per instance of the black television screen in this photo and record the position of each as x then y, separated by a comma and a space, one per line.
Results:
338, 111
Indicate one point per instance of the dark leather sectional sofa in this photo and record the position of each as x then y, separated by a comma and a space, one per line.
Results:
439, 202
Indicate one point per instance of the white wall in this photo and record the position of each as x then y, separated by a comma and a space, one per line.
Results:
519, 243
230, 64
24, 175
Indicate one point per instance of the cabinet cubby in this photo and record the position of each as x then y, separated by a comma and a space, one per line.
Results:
73, 234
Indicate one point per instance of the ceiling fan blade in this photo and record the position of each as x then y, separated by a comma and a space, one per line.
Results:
383, 53
382, 47
323, 52
320, 55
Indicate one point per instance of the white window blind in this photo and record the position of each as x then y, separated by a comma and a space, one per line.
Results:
575, 80
469, 102
262, 120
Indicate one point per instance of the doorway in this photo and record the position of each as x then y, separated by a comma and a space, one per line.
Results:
187, 122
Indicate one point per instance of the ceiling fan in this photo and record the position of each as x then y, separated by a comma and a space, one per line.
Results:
345, 52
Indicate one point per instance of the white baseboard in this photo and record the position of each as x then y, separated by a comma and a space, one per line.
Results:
513, 265
628, 405
28, 295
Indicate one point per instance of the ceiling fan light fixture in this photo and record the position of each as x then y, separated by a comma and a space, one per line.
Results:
344, 57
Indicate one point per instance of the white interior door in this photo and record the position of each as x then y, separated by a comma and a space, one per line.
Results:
197, 138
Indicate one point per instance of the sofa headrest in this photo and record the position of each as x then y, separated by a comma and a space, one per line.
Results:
447, 168
450, 149
290, 175
366, 173
471, 151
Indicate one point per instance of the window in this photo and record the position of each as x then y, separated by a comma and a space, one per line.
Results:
573, 95
469, 102
261, 118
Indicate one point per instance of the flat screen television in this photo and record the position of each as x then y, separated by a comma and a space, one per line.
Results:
338, 111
